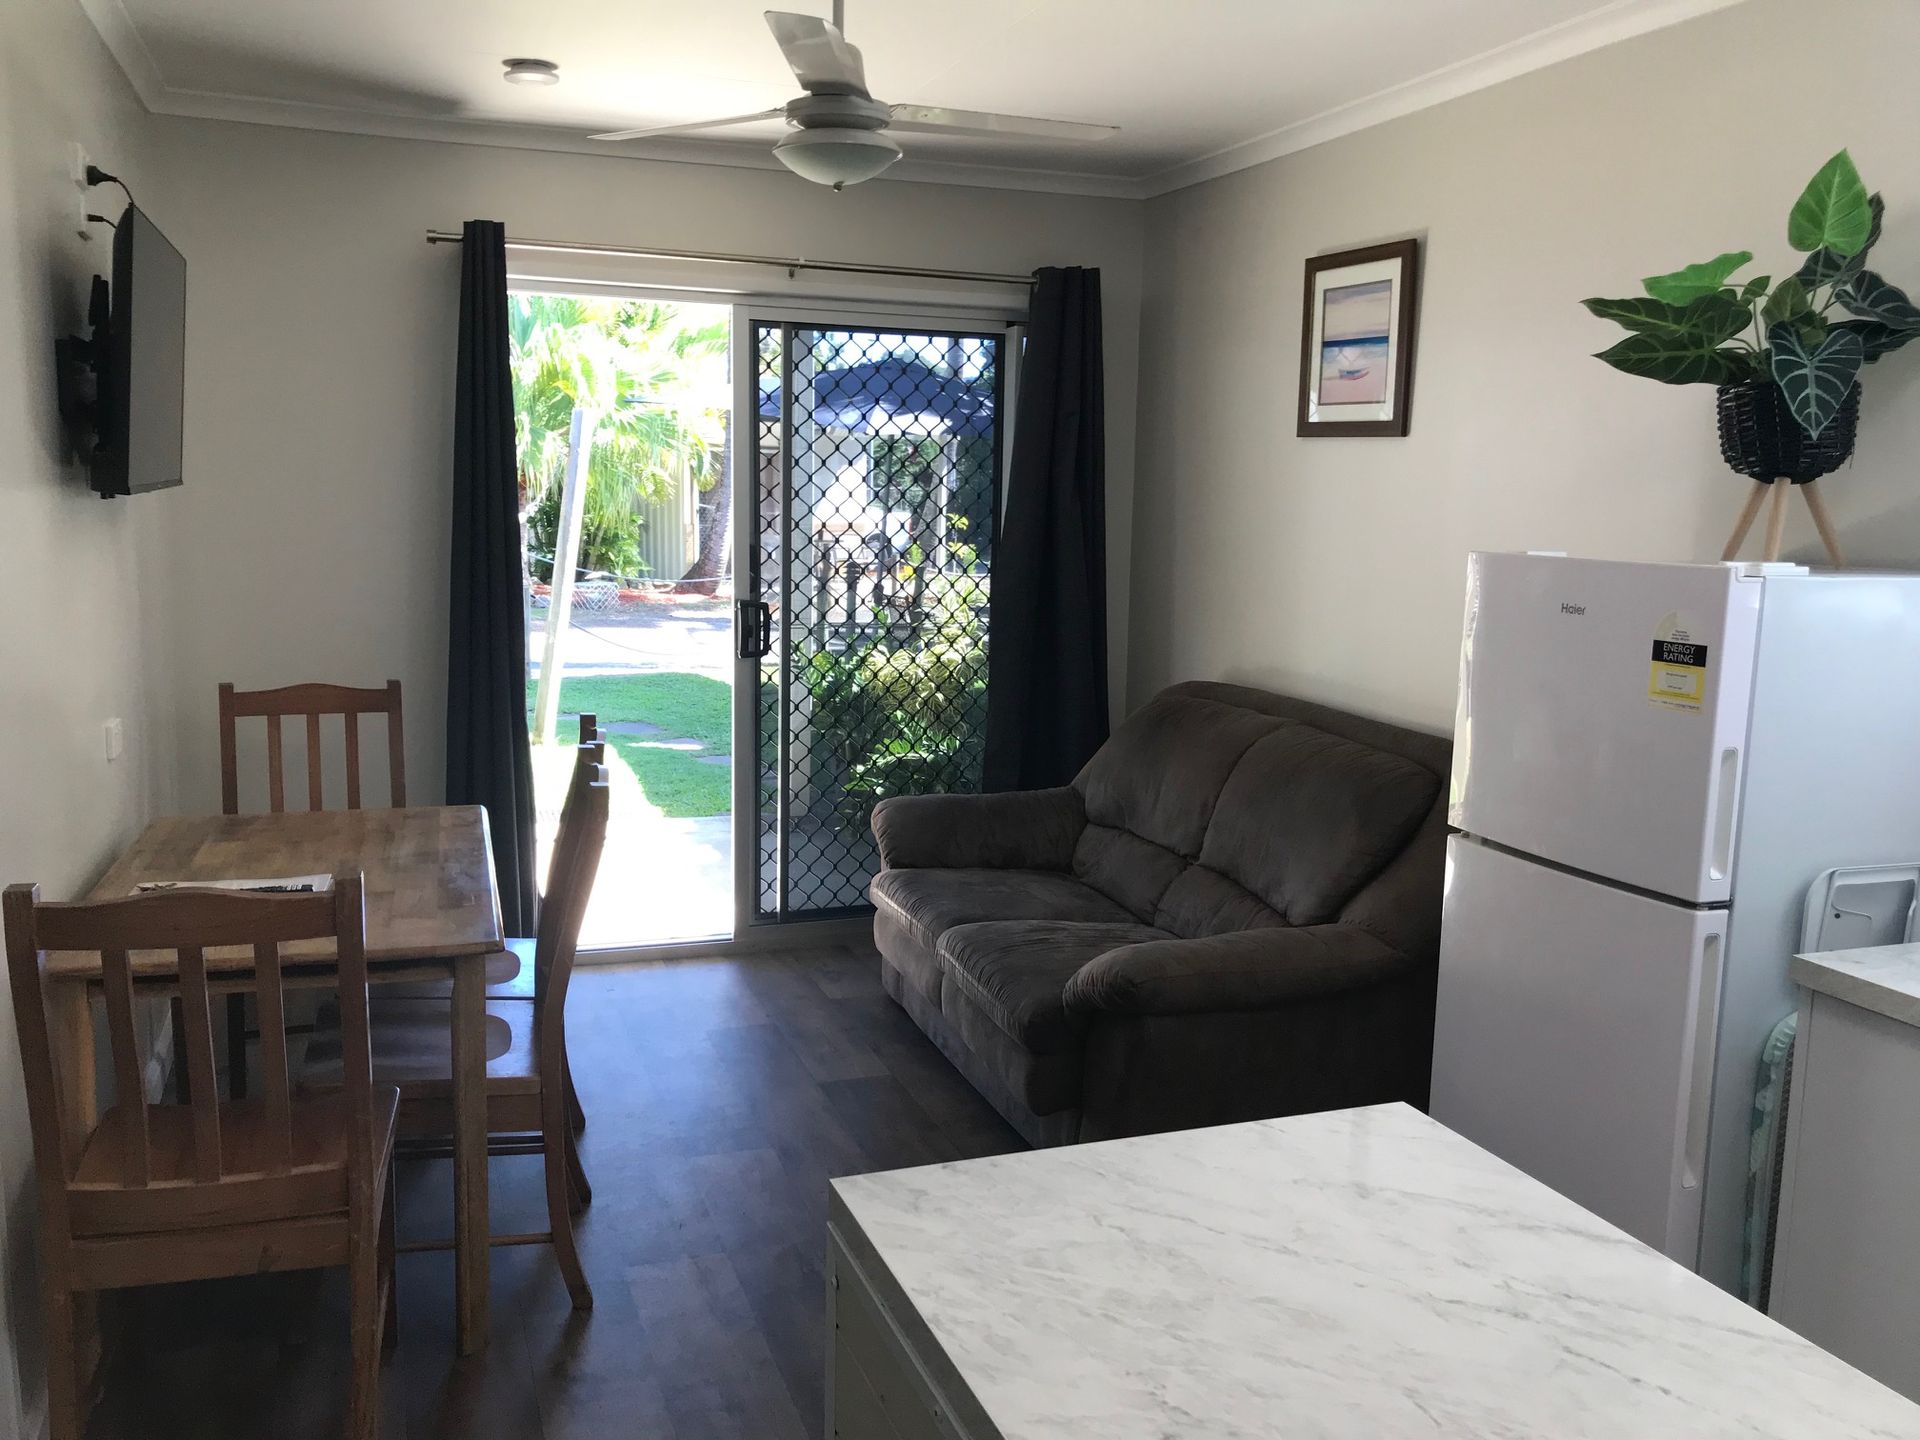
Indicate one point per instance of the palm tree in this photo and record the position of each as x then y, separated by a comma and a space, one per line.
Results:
649, 383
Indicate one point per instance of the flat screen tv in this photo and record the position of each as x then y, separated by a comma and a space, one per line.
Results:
142, 380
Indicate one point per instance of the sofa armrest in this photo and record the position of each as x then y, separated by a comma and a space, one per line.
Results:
1009, 830
1245, 970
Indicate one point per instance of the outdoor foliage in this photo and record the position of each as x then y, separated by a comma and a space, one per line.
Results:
902, 719
653, 388
1811, 332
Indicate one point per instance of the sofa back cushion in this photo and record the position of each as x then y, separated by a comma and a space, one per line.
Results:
1161, 772
1307, 818
1150, 793
1207, 816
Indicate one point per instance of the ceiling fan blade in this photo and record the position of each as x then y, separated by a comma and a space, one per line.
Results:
648, 131
939, 120
821, 58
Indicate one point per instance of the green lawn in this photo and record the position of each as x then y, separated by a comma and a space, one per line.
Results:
672, 778
686, 707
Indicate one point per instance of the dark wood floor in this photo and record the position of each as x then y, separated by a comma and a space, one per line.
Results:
721, 1097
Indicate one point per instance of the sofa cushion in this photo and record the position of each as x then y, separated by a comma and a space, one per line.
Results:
1122, 866
1201, 902
916, 961
1307, 818
1161, 772
1043, 1085
1016, 971
932, 902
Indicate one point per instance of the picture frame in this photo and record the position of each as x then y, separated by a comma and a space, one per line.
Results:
1357, 330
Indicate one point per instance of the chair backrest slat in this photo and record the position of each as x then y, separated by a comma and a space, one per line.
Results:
311, 702
315, 799
271, 999
129, 1073
204, 1085
54, 1157
276, 774
356, 1037
352, 723
396, 747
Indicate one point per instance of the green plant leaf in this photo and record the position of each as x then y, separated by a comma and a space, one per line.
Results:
1833, 212
1877, 339
1689, 284
1680, 358
1712, 318
1872, 298
1788, 302
1755, 288
1816, 382
1829, 267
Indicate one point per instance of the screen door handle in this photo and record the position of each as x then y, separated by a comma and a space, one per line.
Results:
752, 628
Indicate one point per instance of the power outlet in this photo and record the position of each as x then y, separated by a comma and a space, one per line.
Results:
77, 165
116, 739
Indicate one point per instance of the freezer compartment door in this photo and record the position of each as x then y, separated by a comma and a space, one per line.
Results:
1603, 715
1574, 1037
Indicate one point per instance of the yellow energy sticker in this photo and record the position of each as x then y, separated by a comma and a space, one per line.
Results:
1677, 676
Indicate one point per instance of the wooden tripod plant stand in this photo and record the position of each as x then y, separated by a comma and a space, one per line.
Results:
1777, 519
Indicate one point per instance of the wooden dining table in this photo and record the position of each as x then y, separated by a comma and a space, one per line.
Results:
432, 912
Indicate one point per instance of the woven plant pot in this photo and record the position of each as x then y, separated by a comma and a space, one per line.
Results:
1760, 438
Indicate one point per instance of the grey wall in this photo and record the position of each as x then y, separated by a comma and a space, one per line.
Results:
1334, 568
82, 636
319, 418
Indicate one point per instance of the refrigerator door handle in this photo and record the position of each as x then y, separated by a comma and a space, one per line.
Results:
1726, 797
1706, 1021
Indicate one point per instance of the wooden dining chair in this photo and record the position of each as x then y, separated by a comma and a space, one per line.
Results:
526, 1046
515, 980
311, 702
154, 1194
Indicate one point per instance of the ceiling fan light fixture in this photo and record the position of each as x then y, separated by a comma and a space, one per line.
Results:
531, 72
836, 157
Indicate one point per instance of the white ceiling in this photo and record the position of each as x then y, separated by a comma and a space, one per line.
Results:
1198, 87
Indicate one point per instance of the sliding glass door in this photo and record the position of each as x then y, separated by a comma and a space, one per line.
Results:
867, 492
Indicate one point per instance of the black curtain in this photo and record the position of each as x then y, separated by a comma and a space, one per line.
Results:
488, 759
1047, 663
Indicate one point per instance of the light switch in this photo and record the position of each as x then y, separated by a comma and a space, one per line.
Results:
116, 735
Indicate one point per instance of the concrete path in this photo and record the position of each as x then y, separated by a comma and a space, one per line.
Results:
695, 637
660, 879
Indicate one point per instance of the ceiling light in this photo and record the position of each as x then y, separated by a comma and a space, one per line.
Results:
531, 72
836, 157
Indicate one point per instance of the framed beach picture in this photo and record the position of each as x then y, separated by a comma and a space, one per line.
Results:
1356, 340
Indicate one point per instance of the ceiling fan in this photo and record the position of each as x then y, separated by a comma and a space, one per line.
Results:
839, 130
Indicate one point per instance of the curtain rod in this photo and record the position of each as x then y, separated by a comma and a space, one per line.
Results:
711, 257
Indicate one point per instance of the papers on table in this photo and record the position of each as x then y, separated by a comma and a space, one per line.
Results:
282, 885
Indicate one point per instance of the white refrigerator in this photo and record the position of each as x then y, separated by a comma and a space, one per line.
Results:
1652, 763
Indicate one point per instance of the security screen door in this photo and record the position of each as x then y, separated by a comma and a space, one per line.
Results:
864, 569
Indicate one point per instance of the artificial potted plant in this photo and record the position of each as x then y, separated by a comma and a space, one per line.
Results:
1785, 358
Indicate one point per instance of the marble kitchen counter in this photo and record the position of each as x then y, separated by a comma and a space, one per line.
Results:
1881, 978
1365, 1273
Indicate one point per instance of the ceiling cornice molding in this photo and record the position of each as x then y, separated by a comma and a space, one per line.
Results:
1622, 20
124, 43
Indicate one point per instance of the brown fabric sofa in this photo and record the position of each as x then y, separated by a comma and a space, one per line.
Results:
1232, 912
